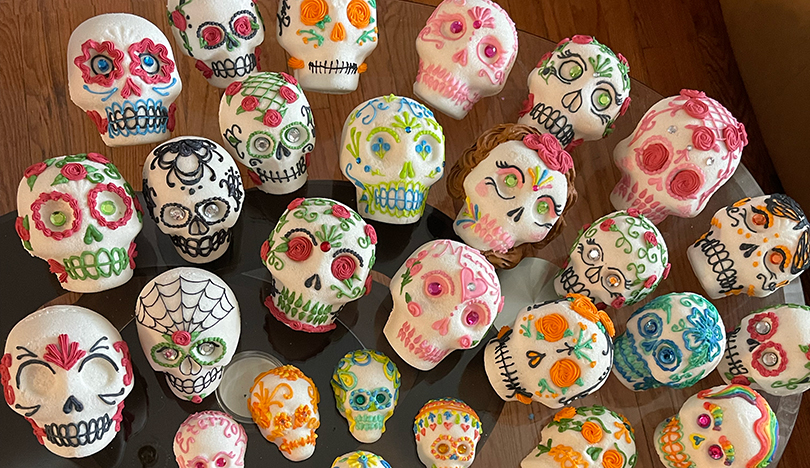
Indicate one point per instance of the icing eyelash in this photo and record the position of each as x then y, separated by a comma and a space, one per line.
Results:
349, 251
304, 231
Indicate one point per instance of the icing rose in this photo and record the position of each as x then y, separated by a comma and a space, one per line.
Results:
550, 151
368, 284
359, 13
651, 239
196, 399
242, 26
592, 432
618, 302
580, 39
25, 236
343, 267
612, 459
633, 212
289, 78
565, 413
178, 20
625, 106
414, 265
35, 169
265, 252
621, 58
743, 134
742, 380
5, 377
250, 103
74, 171
465, 342
606, 224
98, 158
212, 35
299, 249
371, 233
288, 94
313, 12
272, 118
338, 211
650, 281
703, 138
608, 324
527, 105
691, 93
685, 184
132, 252
772, 347
654, 157
696, 108
584, 306
544, 58
181, 338
254, 177
552, 326
732, 136
565, 373
233, 88
666, 270
295, 204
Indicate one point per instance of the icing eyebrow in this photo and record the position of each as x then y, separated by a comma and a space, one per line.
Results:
504, 167
304, 231
349, 251
615, 93
97, 345
554, 205
28, 353
28, 363
717, 414
97, 356
568, 54
728, 450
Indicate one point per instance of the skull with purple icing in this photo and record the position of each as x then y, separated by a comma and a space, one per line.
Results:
210, 439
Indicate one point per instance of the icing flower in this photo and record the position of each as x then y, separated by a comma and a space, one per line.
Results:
313, 12
691, 93
181, 338
74, 171
743, 134
565, 413
584, 306
685, 184
633, 212
703, 138
769, 347
178, 20
295, 204
204, 69
242, 26
339, 211
299, 249
544, 59
618, 302
265, 252
57, 269
580, 39
35, 169
696, 108
95, 157
5, 377
652, 241
731, 135
289, 78
592, 432
552, 326
288, 94
527, 105
654, 157
343, 267
606, 224
550, 151
621, 59
565, 373
359, 13
371, 233
625, 106
212, 35
769, 317
250, 103
272, 118
132, 252
233, 88
368, 284
25, 236
612, 459
650, 281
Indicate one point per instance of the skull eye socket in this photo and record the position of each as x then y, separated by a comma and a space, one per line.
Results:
613, 280
243, 24
299, 248
685, 183
208, 351
296, 136
102, 65
313, 12
601, 99
654, 158
443, 448
98, 370
704, 421
650, 326
464, 449
36, 377
110, 205
570, 70
221, 462
212, 210
56, 215
343, 267
360, 400
261, 144
167, 354
438, 283
175, 215
475, 315
489, 50
382, 398
150, 64
211, 35
359, 13
453, 28
779, 257
591, 252
667, 355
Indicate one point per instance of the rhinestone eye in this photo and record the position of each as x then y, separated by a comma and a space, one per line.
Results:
688, 147
199, 464
177, 214
510, 180
603, 99
542, 208
769, 359
716, 452
360, 400
651, 327
434, 289
261, 144
575, 71
471, 318
170, 354
443, 448
613, 280
763, 327
206, 348
759, 219
593, 254
456, 27
58, 218
293, 135
704, 420
490, 50
107, 207
221, 462
461, 449
211, 210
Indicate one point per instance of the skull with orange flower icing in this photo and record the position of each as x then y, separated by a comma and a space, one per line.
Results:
210, 439
447, 431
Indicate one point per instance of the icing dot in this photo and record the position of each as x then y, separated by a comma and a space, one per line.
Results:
769, 359
762, 327
58, 218
490, 51
456, 27
471, 318
325, 246
357, 160
542, 207
672, 129
107, 207
177, 213
211, 210
367, 169
434, 289
510, 180
221, 462
716, 452
613, 280
704, 420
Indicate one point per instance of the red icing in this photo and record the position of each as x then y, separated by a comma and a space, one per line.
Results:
289, 78
272, 118
580, 39
666, 270
100, 122
691, 93
38, 431
733, 137
74, 171
696, 108
299, 248
344, 267
170, 123
625, 106
65, 353
250, 103
265, 252
212, 35
299, 326
130, 88
371, 233
550, 151
703, 138
57, 269
649, 236
121, 192
650, 281
181, 338
527, 105
233, 88
606, 224
771, 317
132, 252
295, 203
369, 282
35, 169
119, 416
178, 20
618, 302
288, 94
126, 360
339, 211
159, 52
98, 158
105, 48
769, 346
242, 26
255, 177
685, 183
257, 52
5, 378
204, 69
196, 399
24, 234
655, 157
56, 196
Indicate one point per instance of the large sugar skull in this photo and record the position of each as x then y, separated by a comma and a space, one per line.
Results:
320, 255
189, 326
284, 404
121, 73
267, 125
446, 296
78, 214
577, 91
393, 151
366, 385
328, 41
769, 351
67, 371
753, 247
720, 426
618, 260
683, 150
466, 52
557, 352
194, 194
674, 340
360, 459
223, 35
210, 439
447, 431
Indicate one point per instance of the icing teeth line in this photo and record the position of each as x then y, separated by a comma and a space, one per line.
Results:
289, 174
406, 197
445, 83
231, 69
78, 434
337, 67
554, 122
137, 118
722, 265
204, 246
196, 385
94, 265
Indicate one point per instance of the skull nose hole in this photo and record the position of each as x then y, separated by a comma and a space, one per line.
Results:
313, 281
338, 33
573, 100
197, 227
72, 404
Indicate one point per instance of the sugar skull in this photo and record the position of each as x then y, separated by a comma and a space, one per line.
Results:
753, 247
618, 260
683, 150
78, 214
320, 255
769, 351
584, 435
446, 297
366, 385
557, 352
720, 426
466, 52
284, 404
393, 151
188, 325
447, 431
267, 125
223, 35
577, 91
328, 41
210, 439
122, 74
674, 340
360, 459
194, 194
67, 371
516, 184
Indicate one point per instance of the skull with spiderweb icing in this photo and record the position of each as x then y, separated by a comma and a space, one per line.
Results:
189, 325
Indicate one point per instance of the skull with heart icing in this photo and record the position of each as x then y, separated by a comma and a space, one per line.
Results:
447, 432
210, 439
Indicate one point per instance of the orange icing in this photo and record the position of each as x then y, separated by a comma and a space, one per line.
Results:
565, 413
552, 326
338, 33
362, 68
295, 63
612, 459
567, 457
584, 306
592, 432
564, 373
359, 13
313, 11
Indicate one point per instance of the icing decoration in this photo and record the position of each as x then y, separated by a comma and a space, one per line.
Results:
717, 414
210, 438
65, 353
360, 459
447, 430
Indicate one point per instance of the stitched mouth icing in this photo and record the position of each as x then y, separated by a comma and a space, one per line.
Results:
570, 282
137, 118
203, 246
289, 174
94, 265
719, 259
195, 386
505, 362
396, 198
332, 67
554, 122
228, 68
78, 434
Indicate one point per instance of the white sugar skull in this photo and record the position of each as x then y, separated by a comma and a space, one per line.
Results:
674, 340
67, 371
223, 35
769, 351
78, 214
720, 426
360, 459
210, 439
618, 260
753, 247
393, 151
267, 125
583, 435
189, 326
446, 431
466, 52
194, 194
366, 385
683, 150
320, 255
284, 404
577, 91
122, 74
557, 352
328, 41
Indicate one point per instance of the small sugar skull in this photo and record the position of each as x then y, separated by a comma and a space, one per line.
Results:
393, 151
189, 326
585, 434
320, 255
194, 194
577, 91
683, 150
447, 431
328, 41
223, 35
360, 459
720, 426
122, 74
516, 184
446, 296
78, 214
618, 260
284, 404
770, 350
267, 124
210, 439
558, 351
67, 371
466, 52
366, 385
753, 247
674, 340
